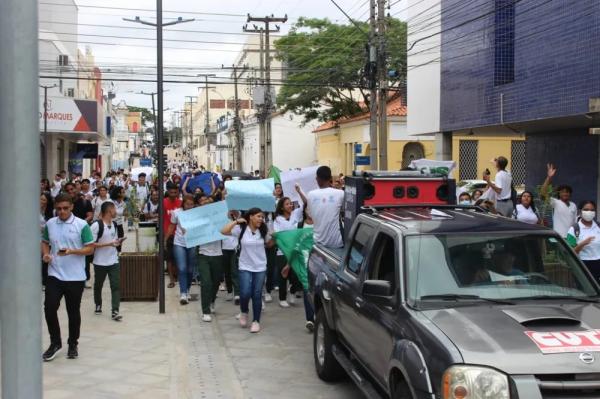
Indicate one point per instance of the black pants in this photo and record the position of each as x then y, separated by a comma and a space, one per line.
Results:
272, 279
72, 291
594, 267
120, 233
44, 273
88, 261
295, 284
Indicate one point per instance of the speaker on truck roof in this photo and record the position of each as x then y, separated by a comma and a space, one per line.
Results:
394, 188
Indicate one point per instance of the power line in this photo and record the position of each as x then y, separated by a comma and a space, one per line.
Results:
143, 9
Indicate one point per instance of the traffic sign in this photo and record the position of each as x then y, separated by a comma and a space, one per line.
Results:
357, 148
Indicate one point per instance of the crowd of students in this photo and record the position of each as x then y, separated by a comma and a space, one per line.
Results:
83, 223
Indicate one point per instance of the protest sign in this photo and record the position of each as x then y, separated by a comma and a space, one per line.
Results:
430, 166
135, 172
203, 224
296, 246
305, 177
201, 180
245, 194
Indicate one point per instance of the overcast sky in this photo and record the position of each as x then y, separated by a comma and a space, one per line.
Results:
140, 52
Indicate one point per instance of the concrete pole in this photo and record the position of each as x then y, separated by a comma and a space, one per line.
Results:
159, 153
373, 96
382, 72
20, 286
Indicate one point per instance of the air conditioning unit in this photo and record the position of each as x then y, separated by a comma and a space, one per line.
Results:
63, 60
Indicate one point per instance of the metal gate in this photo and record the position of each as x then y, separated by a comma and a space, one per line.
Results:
467, 159
518, 167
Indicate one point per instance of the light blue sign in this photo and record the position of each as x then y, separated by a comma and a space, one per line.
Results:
203, 224
245, 194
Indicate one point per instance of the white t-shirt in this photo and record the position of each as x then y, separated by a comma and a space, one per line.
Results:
179, 238
97, 205
56, 187
120, 219
105, 256
210, 249
324, 206
592, 250
230, 243
564, 216
283, 224
504, 182
74, 233
253, 256
142, 193
526, 215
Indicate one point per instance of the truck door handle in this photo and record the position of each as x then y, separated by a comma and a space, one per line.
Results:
338, 287
358, 301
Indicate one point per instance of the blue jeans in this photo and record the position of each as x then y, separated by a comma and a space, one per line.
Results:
185, 259
251, 284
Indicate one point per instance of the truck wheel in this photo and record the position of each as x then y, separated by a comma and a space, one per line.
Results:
401, 390
327, 366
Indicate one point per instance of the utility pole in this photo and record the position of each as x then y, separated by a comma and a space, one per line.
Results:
20, 329
191, 127
159, 133
207, 119
237, 125
382, 73
371, 73
46, 106
268, 107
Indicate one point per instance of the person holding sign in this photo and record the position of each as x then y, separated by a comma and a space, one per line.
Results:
210, 262
185, 258
286, 218
253, 239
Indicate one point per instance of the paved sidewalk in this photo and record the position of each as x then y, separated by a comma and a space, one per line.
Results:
176, 355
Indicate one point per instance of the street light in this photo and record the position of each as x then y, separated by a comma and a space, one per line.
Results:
159, 135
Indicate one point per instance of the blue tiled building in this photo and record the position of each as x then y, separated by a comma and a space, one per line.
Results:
527, 66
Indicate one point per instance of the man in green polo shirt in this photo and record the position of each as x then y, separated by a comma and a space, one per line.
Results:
66, 241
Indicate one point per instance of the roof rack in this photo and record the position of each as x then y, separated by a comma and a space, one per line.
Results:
373, 209
381, 174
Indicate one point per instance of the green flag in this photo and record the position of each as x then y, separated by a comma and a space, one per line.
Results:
296, 246
274, 172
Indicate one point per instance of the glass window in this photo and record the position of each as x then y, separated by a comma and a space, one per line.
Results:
359, 248
497, 266
382, 265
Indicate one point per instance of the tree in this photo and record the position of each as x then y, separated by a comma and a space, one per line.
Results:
325, 66
147, 117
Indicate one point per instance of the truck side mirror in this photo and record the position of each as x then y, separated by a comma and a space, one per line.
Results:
379, 292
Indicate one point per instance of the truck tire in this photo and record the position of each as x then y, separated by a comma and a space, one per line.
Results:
401, 390
327, 367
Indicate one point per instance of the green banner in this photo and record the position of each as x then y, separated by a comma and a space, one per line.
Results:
274, 172
296, 246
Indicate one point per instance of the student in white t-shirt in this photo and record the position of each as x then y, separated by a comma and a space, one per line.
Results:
252, 262
564, 214
502, 187
324, 207
106, 258
185, 258
99, 200
525, 211
584, 237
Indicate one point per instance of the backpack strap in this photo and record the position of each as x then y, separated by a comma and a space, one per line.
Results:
576, 229
100, 230
242, 231
119, 234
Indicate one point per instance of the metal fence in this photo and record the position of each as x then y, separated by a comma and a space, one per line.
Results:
518, 167
467, 159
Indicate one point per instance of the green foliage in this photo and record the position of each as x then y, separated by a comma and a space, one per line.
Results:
147, 117
326, 61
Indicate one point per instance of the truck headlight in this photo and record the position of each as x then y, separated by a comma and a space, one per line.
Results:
471, 382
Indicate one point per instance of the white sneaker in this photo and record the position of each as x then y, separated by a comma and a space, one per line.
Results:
212, 307
207, 318
276, 288
189, 296
284, 304
263, 305
255, 328
291, 298
229, 297
184, 299
268, 298
222, 287
243, 320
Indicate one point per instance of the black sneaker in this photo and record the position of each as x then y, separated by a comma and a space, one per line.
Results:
51, 353
98, 309
72, 352
116, 316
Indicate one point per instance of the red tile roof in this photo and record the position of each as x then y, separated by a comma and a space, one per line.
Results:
394, 108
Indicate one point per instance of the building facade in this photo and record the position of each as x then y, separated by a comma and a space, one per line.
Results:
516, 70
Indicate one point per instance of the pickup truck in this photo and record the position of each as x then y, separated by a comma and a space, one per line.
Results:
450, 302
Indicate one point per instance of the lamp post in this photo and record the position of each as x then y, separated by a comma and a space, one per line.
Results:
159, 137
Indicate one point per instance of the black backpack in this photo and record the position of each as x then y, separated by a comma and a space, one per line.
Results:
101, 229
243, 228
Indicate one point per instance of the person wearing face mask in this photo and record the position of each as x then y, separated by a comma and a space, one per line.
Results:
584, 237
464, 199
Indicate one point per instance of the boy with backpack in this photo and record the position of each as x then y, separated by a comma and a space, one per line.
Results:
106, 258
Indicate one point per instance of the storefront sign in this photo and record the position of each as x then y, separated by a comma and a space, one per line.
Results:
65, 114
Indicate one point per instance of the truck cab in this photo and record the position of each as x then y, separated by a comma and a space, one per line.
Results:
443, 301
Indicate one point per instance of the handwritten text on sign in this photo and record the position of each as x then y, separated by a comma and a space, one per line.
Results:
566, 342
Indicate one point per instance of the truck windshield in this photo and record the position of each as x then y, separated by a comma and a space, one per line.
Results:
493, 266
